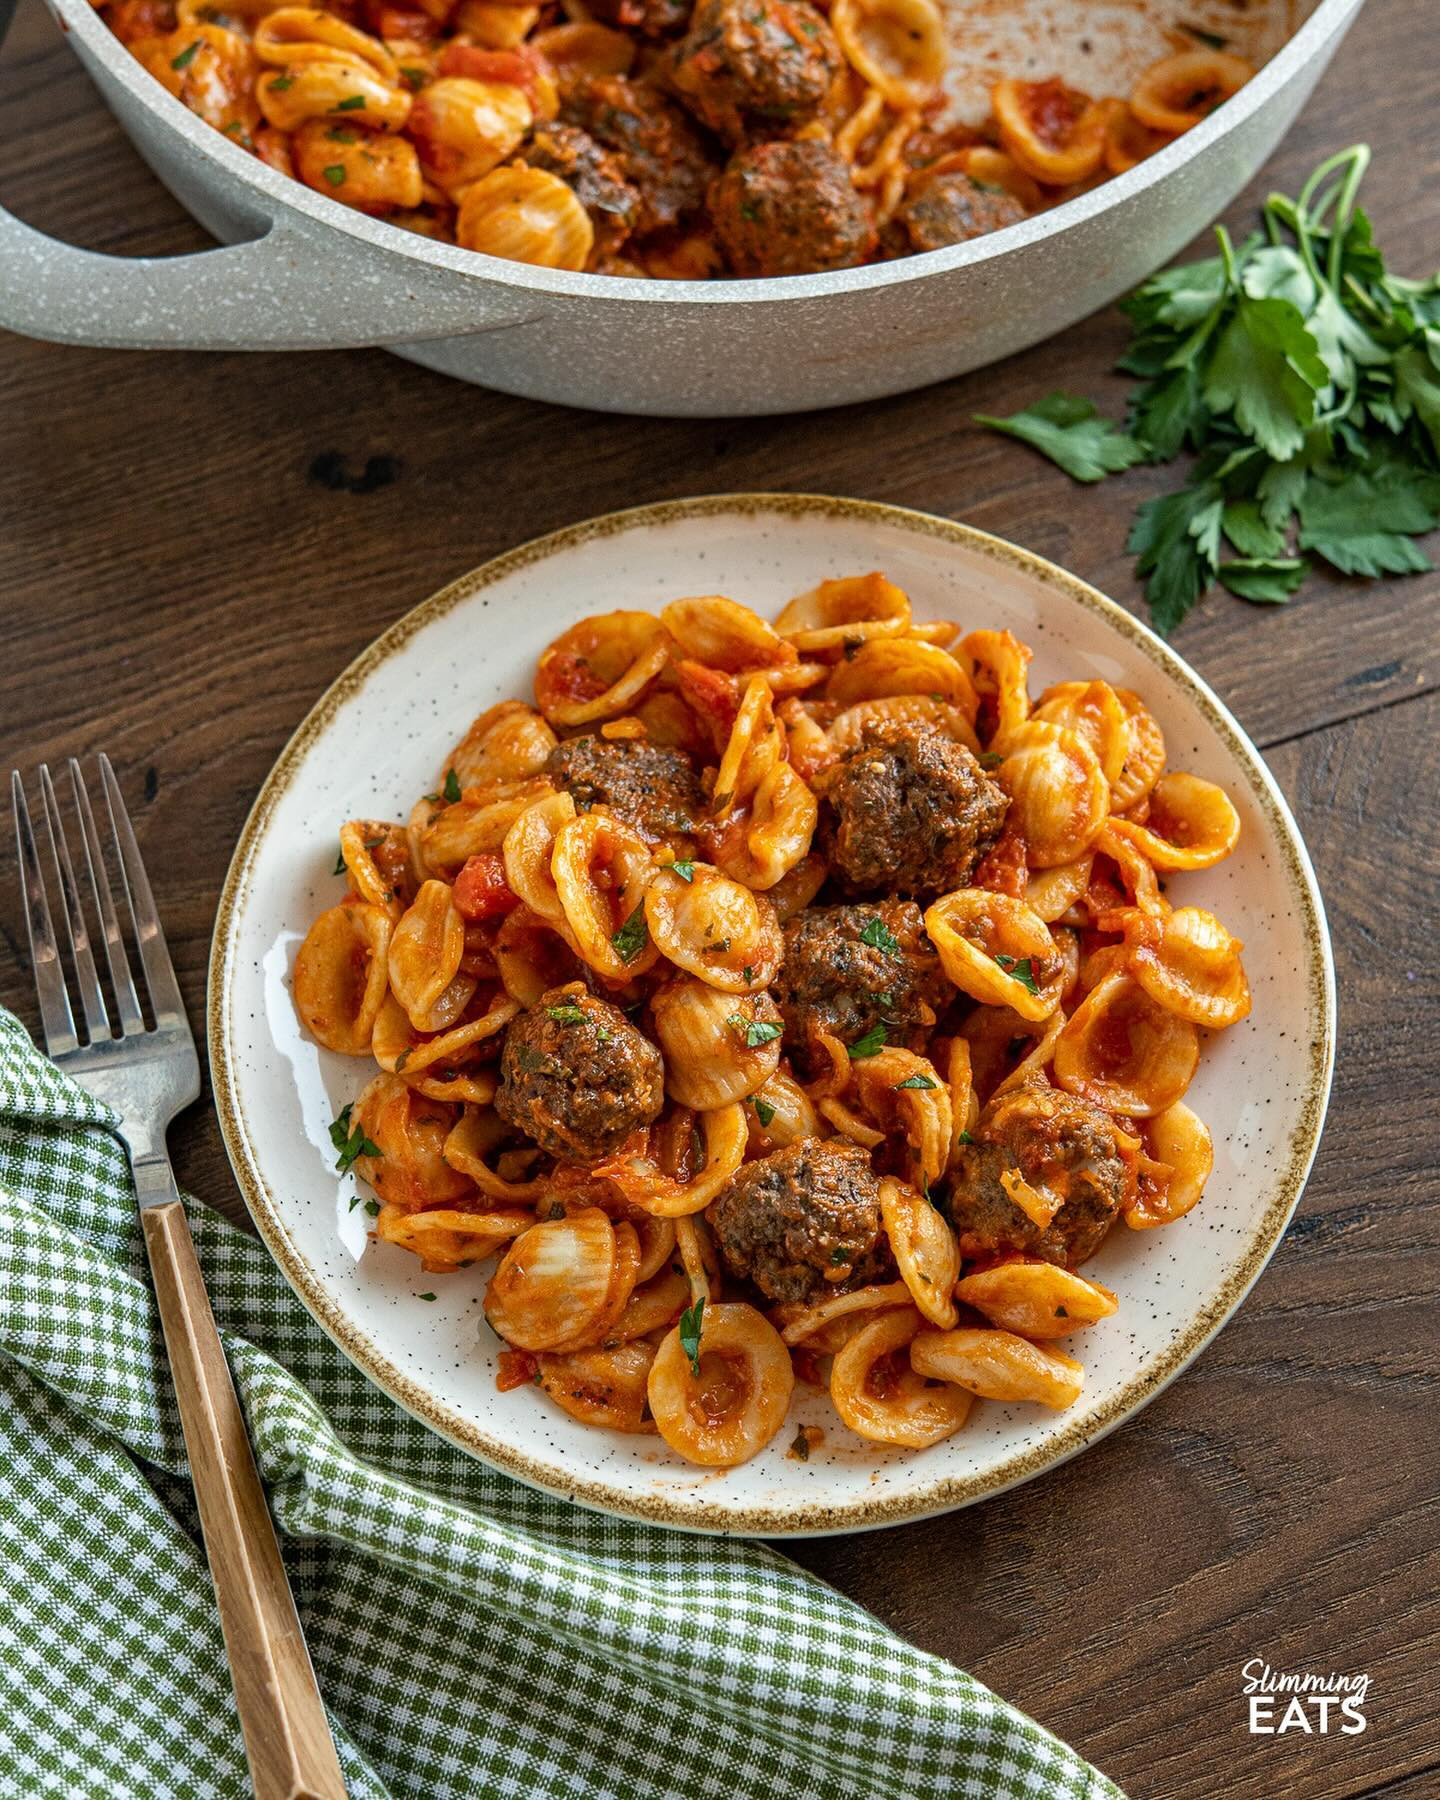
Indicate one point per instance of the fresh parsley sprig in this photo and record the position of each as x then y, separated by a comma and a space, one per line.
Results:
1305, 380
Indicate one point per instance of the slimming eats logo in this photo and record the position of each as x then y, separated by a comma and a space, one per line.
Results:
1314, 1704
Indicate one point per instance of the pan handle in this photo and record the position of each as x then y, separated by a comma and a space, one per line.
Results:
295, 287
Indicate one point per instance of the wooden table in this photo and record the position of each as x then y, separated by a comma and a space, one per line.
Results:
190, 552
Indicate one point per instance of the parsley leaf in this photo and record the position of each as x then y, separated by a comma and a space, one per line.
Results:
685, 870
915, 1081
1023, 970
350, 1142
340, 864
1070, 432
764, 1111
334, 173
1362, 523
871, 1044
1270, 580
567, 1013
690, 1324
1249, 531
878, 935
632, 936
800, 1445
373, 1208
1169, 550
425, 1296
353, 103
186, 56
754, 1031
1266, 370
451, 789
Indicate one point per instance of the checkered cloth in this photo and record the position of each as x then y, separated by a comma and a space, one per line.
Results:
473, 1638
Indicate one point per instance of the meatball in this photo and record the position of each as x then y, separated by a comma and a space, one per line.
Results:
790, 209
848, 969
577, 1077
911, 811
593, 175
654, 789
803, 1222
1063, 1147
952, 209
751, 68
660, 151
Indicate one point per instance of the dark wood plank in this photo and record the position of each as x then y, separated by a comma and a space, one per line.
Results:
177, 586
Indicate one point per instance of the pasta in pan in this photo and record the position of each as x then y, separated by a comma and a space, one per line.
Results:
677, 140
783, 1001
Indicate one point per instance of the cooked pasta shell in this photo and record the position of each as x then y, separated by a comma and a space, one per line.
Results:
899, 47
1059, 797
715, 928
1144, 753
1050, 893
1194, 969
1179, 91
528, 847
446, 1237
532, 956
470, 1146
1124, 1053
881, 1396
585, 48
717, 1048
425, 951
340, 976
924, 1248
739, 1400
654, 1305
996, 950
465, 128
1192, 824
780, 1112
842, 612
1180, 1143
644, 1183
1092, 710
887, 667
999, 665
775, 837
292, 35
334, 91
600, 667
525, 215
509, 742
605, 1386
409, 1131
1036, 1299
804, 1323
601, 870
1055, 133
722, 634
553, 1282
998, 1365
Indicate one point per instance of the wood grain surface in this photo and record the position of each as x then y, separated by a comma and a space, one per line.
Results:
191, 549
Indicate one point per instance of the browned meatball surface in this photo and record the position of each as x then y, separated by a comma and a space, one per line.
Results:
593, 174
654, 789
1062, 1146
951, 209
848, 969
751, 68
910, 811
790, 209
577, 1077
661, 151
803, 1222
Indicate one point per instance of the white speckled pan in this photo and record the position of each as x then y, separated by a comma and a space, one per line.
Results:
376, 740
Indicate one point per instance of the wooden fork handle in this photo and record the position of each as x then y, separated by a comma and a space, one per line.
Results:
287, 1738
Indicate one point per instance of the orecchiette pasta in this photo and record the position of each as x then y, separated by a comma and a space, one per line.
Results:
775, 994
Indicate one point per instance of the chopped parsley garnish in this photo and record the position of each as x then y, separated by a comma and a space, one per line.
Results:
281, 83
451, 789
721, 947
690, 1321
354, 1202
800, 1445
749, 975
839, 1255
878, 935
354, 103
685, 870
334, 173
991, 759
424, 1296
350, 1141
338, 134
718, 802
1302, 375
186, 56
567, 1014
964, 1138
413, 77
754, 1031
632, 936
916, 1081
404, 1057
764, 1111
1022, 969
871, 1044
339, 868
373, 1208
1060, 1313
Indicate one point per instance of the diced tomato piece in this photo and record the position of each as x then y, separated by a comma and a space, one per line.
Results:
713, 695
481, 891
1002, 870
475, 64
516, 1367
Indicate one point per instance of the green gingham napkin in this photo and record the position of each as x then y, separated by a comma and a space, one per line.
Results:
472, 1637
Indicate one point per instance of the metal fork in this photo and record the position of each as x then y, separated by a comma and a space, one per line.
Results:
147, 1076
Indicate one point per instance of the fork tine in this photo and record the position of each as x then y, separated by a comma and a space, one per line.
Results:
56, 1019
127, 1002
92, 998
165, 997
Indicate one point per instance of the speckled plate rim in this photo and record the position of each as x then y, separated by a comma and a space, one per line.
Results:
805, 1518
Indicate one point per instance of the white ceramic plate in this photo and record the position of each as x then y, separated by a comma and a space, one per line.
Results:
375, 741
